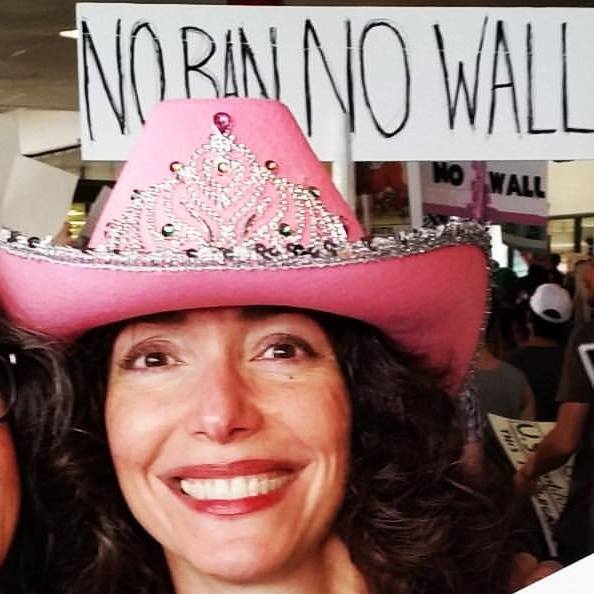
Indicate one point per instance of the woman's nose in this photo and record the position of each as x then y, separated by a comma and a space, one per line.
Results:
223, 407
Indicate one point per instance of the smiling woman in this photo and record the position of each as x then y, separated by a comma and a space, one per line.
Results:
264, 396
221, 403
273, 445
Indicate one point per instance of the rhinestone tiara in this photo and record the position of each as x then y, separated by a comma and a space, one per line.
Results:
223, 209
223, 198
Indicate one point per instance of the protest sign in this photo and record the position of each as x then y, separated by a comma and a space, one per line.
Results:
34, 197
516, 192
495, 191
478, 83
447, 188
519, 439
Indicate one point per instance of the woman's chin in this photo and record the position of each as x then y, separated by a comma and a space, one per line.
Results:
239, 563
252, 566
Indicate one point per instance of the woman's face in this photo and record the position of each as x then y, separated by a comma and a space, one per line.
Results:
9, 488
229, 431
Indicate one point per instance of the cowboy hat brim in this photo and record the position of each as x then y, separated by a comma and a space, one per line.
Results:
431, 303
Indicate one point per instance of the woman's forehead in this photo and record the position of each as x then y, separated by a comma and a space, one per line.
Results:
249, 313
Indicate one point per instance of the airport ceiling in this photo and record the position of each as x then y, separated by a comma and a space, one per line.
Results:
38, 67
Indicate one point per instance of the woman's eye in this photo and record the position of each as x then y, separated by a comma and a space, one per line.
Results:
286, 347
155, 359
149, 360
280, 351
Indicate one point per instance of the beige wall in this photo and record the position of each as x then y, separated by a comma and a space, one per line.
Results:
571, 188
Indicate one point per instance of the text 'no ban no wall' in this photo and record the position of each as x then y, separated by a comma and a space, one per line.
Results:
411, 84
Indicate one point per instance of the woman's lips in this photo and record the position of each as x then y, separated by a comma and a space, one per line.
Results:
246, 467
234, 488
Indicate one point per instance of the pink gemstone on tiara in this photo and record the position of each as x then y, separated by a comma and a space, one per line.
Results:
222, 121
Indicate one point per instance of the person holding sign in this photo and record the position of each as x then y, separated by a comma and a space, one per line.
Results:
572, 434
264, 394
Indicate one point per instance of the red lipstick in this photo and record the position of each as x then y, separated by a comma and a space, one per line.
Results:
233, 507
231, 469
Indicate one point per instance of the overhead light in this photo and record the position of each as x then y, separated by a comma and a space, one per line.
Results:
70, 34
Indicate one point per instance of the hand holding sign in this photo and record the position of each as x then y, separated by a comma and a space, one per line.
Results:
526, 570
575, 579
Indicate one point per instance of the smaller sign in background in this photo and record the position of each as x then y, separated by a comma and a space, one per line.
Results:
494, 191
519, 439
34, 197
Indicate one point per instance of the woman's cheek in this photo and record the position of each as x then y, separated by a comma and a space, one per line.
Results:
320, 412
132, 417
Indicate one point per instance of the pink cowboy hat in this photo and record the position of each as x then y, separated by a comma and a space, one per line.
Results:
223, 203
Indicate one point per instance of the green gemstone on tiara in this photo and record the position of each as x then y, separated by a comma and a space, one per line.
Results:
168, 230
285, 229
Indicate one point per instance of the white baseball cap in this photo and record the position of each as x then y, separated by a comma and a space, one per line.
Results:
551, 303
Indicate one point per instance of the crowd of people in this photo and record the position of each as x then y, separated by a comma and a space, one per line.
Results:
530, 368
232, 388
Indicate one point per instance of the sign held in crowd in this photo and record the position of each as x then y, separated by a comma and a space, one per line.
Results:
519, 439
515, 85
496, 191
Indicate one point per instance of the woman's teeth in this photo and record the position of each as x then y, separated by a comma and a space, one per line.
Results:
238, 487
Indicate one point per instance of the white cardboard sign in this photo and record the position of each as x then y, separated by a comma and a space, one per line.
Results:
519, 439
496, 191
518, 188
482, 83
34, 197
37, 197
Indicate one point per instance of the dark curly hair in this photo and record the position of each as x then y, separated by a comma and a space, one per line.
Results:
412, 519
38, 420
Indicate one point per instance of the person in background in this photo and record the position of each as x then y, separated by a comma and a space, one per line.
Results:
34, 413
505, 287
555, 275
9, 479
572, 434
506, 301
583, 302
541, 358
538, 274
502, 389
